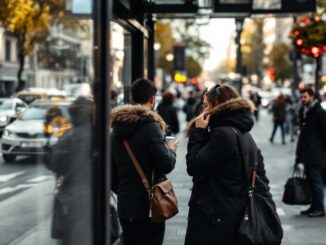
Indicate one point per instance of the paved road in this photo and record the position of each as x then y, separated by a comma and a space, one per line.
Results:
26, 191
298, 230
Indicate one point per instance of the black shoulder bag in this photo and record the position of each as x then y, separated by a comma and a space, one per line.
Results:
261, 224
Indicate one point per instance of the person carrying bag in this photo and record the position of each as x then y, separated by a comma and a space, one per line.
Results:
261, 224
297, 190
162, 199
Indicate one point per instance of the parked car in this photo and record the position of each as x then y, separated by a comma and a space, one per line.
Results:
30, 135
32, 94
9, 110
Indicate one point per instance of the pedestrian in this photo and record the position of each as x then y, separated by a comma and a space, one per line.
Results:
289, 126
169, 113
71, 161
279, 114
256, 100
219, 193
311, 148
113, 98
144, 130
189, 106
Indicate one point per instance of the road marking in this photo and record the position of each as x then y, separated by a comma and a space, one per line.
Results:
39, 179
16, 188
280, 211
6, 177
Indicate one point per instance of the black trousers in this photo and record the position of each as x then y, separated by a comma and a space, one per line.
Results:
142, 232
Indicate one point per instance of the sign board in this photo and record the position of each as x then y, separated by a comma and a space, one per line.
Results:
264, 6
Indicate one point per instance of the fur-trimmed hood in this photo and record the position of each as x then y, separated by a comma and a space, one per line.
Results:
236, 113
125, 119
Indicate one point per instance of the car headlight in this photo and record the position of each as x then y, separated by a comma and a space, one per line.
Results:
3, 119
8, 133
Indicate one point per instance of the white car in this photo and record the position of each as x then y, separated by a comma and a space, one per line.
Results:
9, 110
26, 135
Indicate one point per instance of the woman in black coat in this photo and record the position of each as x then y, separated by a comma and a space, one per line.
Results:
169, 113
219, 195
71, 161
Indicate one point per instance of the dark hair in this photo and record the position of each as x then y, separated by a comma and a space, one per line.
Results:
221, 93
81, 110
141, 90
168, 98
307, 90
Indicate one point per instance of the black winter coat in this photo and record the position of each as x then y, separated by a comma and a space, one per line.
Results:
169, 114
71, 158
311, 148
144, 130
219, 194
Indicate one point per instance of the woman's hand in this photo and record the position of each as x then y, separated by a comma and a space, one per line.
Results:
202, 120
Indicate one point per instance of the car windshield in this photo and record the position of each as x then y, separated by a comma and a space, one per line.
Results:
6, 105
38, 112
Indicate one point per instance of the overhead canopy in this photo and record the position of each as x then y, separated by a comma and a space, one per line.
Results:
226, 8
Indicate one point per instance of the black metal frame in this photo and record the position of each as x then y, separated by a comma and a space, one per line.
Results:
101, 144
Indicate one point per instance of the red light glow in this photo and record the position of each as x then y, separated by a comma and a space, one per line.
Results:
299, 42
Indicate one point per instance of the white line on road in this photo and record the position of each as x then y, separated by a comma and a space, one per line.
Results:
280, 211
16, 188
39, 179
6, 177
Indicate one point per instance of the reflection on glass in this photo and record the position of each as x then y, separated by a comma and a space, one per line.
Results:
235, 1
121, 64
70, 161
265, 5
45, 125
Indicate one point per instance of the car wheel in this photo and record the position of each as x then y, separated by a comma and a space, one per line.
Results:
8, 157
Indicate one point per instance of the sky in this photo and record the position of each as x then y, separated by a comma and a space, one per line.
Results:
217, 33
81, 6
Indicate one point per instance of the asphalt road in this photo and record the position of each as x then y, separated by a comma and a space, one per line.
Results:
26, 191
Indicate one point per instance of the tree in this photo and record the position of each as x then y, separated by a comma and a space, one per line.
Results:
253, 46
163, 36
30, 22
279, 60
197, 49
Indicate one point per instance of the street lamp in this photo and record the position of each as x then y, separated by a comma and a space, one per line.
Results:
239, 29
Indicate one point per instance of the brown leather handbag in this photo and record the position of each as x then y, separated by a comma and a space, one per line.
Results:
163, 203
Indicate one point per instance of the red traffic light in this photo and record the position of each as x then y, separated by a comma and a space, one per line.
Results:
299, 42
315, 51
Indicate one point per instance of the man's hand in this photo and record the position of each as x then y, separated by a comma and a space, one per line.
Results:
202, 120
173, 146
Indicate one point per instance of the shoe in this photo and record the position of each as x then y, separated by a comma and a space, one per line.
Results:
292, 140
316, 213
307, 211
271, 140
283, 142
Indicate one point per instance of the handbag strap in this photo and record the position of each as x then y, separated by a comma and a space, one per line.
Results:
137, 166
253, 174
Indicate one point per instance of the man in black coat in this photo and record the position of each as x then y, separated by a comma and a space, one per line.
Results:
144, 130
311, 148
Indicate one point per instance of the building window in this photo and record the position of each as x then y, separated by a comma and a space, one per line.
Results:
8, 50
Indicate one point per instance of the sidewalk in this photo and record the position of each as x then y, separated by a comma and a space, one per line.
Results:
298, 230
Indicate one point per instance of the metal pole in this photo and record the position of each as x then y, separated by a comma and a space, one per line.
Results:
239, 25
101, 148
296, 77
317, 72
151, 51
